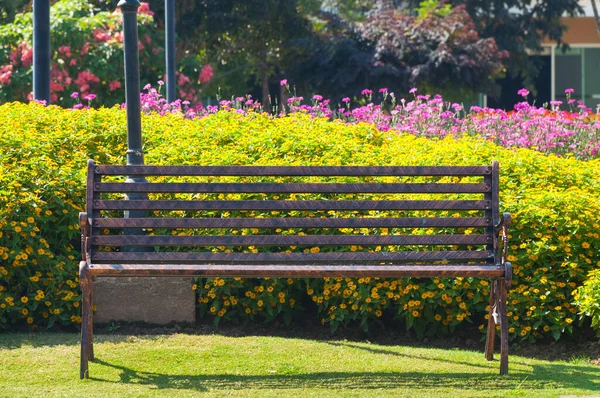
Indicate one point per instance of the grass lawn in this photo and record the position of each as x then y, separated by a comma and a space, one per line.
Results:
183, 365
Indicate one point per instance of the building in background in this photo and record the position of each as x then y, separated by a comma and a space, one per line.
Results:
577, 68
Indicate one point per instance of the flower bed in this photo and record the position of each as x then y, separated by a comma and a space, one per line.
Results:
554, 241
575, 131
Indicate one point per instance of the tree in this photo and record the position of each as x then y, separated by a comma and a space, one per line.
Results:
9, 8
518, 27
596, 16
437, 49
246, 39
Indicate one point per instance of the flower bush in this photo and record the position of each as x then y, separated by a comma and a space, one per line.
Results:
587, 299
87, 55
554, 241
553, 130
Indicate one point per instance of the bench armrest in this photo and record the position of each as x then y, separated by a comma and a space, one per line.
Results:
503, 226
84, 226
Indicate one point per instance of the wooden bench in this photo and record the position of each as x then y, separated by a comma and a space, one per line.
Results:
237, 221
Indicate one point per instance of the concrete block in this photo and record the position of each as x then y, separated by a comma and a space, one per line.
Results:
150, 300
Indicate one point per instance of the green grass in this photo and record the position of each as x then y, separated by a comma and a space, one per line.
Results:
213, 365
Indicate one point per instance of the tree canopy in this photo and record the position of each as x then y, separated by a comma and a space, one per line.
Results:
339, 47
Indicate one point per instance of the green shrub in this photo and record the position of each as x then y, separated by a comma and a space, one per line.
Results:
554, 237
587, 298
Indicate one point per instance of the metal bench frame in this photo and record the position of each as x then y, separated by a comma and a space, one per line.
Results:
485, 257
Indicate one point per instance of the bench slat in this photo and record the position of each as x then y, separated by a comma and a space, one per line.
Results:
308, 205
290, 258
289, 240
290, 188
292, 222
292, 170
287, 271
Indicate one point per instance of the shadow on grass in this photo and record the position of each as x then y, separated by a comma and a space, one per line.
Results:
466, 376
542, 377
18, 340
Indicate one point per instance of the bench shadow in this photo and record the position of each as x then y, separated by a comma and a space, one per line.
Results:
472, 377
541, 377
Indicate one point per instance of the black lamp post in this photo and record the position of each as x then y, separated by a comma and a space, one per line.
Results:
41, 50
135, 152
170, 49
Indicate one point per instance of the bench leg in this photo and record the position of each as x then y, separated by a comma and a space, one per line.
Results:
86, 321
491, 328
503, 327
91, 324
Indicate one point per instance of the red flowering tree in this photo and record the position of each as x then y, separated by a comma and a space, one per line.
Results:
87, 56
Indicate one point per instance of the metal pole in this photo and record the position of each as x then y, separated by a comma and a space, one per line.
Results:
135, 152
41, 50
170, 49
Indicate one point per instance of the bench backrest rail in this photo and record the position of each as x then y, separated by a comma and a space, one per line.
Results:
302, 215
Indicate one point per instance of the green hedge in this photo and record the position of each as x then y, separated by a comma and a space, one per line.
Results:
554, 201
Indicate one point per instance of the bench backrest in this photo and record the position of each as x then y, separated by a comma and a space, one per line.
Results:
268, 215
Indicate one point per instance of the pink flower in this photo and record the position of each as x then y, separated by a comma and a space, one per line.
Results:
73, 62
412, 90
66, 50
206, 73
85, 49
5, 74
145, 9
27, 57
569, 91
182, 80
90, 97
317, 97
75, 94
54, 86
366, 91
84, 79
283, 82
101, 35
346, 100
383, 90
161, 83
523, 92
114, 85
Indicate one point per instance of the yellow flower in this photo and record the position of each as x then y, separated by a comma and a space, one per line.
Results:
24, 300
568, 320
30, 220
